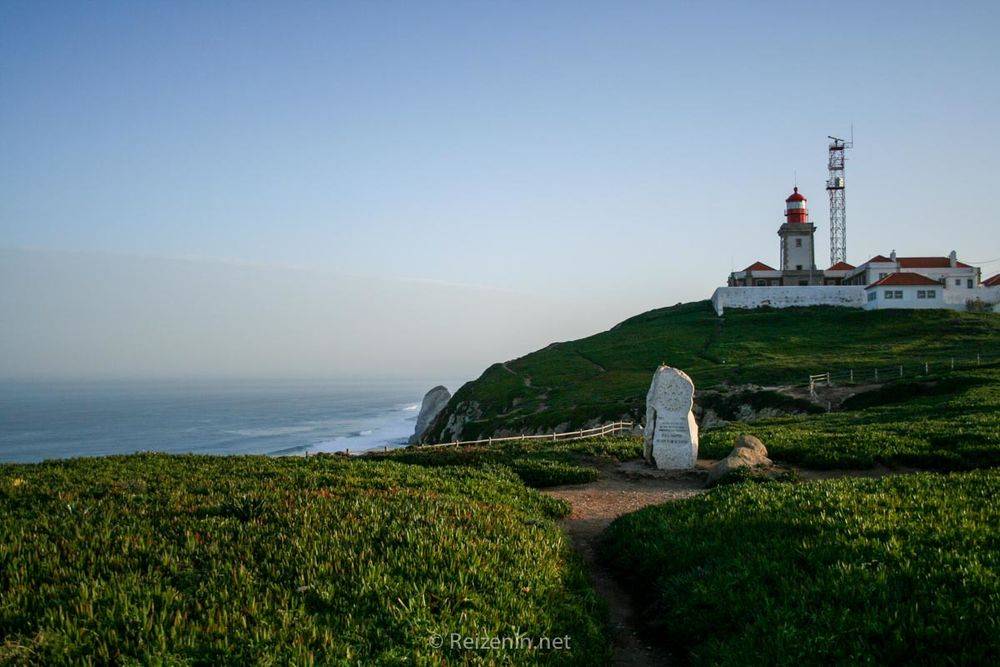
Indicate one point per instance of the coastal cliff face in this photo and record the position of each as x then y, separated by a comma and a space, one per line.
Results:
432, 405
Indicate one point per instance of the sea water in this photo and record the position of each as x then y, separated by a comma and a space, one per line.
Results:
46, 420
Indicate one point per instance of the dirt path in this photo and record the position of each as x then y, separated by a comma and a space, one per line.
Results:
626, 487
621, 489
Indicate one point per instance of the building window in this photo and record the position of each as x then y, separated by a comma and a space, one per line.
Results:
798, 243
882, 275
969, 283
872, 295
931, 294
803, 283
888, 294
798, 267
898, 294
921, 294
761, 283
958, 282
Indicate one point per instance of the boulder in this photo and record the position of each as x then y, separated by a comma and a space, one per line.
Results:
749, 452
432, 405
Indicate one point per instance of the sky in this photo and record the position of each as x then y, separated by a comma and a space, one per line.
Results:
285, 189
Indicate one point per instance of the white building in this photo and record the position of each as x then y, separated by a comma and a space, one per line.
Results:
955, 274
904, 290
881, 282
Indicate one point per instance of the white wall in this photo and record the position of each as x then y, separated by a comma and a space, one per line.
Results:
850, 296
955, 299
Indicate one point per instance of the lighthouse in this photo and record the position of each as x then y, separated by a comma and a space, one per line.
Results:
798, 251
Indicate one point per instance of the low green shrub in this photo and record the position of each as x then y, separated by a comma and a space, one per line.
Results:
893, 570
539, 463
957, 429
900, 392
155, 559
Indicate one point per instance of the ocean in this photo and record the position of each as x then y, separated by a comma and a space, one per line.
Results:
50, 420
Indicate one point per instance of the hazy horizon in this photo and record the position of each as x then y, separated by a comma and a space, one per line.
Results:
355, 190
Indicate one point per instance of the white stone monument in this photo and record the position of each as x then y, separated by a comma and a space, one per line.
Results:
671, 435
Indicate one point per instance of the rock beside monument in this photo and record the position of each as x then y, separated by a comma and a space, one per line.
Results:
432, 405
749, 452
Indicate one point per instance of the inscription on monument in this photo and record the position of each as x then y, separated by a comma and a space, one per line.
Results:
671, 433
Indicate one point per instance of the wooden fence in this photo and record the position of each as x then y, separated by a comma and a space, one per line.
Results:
596, 432
910, 368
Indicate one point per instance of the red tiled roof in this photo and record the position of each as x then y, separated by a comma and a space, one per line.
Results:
928, 263
840, 266
992, 282
758, 266
878, 258
900, 279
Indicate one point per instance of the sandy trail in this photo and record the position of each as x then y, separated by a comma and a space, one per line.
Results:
621, 489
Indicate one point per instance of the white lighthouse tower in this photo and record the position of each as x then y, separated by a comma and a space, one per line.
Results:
798, 251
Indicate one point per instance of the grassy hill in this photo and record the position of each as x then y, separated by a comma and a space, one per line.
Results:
606, 376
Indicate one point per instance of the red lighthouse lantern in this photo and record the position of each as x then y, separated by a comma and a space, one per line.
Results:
795, 208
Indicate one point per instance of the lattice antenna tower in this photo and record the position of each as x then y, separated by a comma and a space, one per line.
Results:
836, 187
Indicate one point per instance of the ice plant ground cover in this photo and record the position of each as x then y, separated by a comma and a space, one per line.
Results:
884, 571
240, 560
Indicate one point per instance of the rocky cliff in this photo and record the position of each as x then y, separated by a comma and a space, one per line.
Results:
432, 405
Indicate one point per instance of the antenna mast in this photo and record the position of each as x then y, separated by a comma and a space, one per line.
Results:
835, 186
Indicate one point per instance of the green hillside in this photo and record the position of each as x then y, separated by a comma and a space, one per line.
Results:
606, 376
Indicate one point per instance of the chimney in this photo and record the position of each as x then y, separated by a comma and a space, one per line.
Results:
953, 259
892, 255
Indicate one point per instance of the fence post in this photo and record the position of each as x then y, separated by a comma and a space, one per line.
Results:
876, 375
953, 363
927, 368
900, 370
553, 436
491, 441
977, 358
852, 376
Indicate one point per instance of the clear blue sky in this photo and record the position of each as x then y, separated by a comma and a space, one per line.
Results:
609, 156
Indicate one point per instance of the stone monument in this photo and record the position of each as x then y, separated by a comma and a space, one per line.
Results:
671, 435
